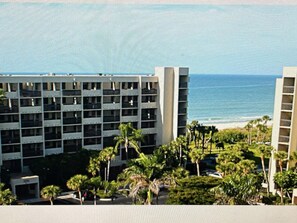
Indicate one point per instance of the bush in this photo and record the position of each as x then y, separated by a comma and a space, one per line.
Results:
231, 136
194, 190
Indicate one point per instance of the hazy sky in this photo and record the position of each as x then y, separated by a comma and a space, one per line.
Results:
256, 39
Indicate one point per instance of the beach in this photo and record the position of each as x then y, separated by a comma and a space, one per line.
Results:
230, 125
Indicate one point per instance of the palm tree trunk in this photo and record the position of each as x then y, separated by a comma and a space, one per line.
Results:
51, 200
108, 168
280, 163
282, 196
180, 155
198, 171
265, 175
80, 198
95, 197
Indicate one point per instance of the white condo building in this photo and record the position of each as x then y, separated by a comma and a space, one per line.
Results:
284, 119
50, 114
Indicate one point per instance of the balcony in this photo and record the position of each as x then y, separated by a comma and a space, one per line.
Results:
149, 105
287, 106
92, 106
71, 92
182, 98
32, 153
91, 133
183, 85
284, 139
92, 92
93, 147
72, 135
53, 151
71, 121
182, 110
9, 125
32, 139
111, 92
149, 91
182, 123
31, 123
52, 107
129, 92
129, 105
51, 123
51, 94
96, 120
111, 106
11, 95
52, 136
11, 156
71, 107
129, 118
10, 140
288, 89
111, 118
149, 130
110, 133
31, 109
285, 122
148, 117
7, 109
30, 93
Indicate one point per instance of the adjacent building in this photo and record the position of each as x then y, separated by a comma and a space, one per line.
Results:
284, 133
50, 114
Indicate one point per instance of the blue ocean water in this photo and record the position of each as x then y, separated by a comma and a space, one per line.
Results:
230, 98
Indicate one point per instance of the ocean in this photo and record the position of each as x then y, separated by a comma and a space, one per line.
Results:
220, 99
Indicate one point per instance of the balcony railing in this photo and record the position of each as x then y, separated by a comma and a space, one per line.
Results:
10, 140
284, 138
71, 92
288, 89
52, 107
287, 106
91, 133
129, 105
149, 91
31, 123
32, 153
285, 122
111, 118
10, 120
111, 92
182, 123
182, 110
30, 93
92, 106
71, 120
7, 109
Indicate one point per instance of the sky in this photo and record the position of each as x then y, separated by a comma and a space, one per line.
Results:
134, 38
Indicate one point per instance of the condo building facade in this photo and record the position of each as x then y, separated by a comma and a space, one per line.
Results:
284, 130
50, 114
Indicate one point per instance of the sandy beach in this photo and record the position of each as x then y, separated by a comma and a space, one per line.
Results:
230, 125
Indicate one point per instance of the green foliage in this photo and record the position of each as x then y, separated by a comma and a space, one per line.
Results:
50, 192
231, 136
287, 180
6, 196
77, 182
193, 190
107, 189
238, 189
57, 169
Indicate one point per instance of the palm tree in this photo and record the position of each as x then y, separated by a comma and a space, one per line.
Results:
212, 130
226, 168
265, 152
50, 192
293, 157
249, 127
6, 196
181, 142
281, 157
108, 154
280, 180
196, 156
246, 166
94, 166
129, 137
94, 182
76, 183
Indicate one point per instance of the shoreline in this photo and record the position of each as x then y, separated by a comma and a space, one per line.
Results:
231, 125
